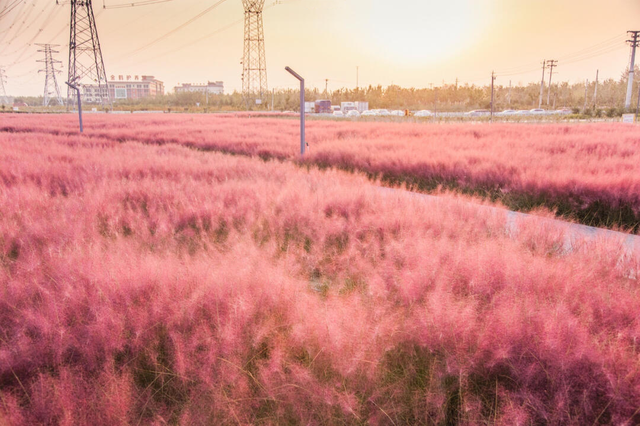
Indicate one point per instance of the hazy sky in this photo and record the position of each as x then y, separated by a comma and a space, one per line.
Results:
405, 42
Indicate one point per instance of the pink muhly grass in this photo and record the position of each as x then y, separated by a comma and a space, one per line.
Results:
151, 284
587, 172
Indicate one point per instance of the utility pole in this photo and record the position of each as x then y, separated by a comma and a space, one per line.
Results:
435, 103
634, 43
4, 99
509, 93
86, 66
638, 104
586, 87
254, 63
357, 77
493, 79
273, 98
50, 81
326, 87
544, 67
595, 93
551, 64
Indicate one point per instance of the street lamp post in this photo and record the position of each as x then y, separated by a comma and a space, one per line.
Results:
77, 89
302, 108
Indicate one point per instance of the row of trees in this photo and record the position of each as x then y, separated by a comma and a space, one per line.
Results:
610, 94
579, 96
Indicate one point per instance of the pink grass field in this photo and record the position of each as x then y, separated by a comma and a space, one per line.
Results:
589, 173
144, 284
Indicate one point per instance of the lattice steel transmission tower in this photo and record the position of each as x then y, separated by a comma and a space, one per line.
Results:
86, 67
50, 81
4, 99
254, 65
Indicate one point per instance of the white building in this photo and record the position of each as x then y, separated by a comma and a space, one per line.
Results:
135, 88
131, 87
212, 87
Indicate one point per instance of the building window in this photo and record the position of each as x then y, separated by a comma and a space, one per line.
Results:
121, 93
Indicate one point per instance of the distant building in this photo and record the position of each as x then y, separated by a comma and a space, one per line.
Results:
140, 87
212, 87
136, 87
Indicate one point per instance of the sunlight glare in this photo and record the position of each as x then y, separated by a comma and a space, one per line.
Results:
418, 33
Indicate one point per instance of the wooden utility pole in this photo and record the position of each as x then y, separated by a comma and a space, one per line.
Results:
551, 64
634, 41
435, 103
595, 93
493, 79
544, 67
638, 104
586, 87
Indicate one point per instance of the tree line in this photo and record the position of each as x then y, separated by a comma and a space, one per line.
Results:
578, 96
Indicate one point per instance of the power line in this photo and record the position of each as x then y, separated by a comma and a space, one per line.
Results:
4, 12
595, 54
17, 20
209, 35
46, 21
24, 74
134, 4
585, 56
66, 25
52, 39
606, 43
604, 47
22, 21
178, 28
29, 44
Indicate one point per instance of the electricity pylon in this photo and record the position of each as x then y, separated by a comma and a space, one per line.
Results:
4, 100
254, 65
50, 82
86, 66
